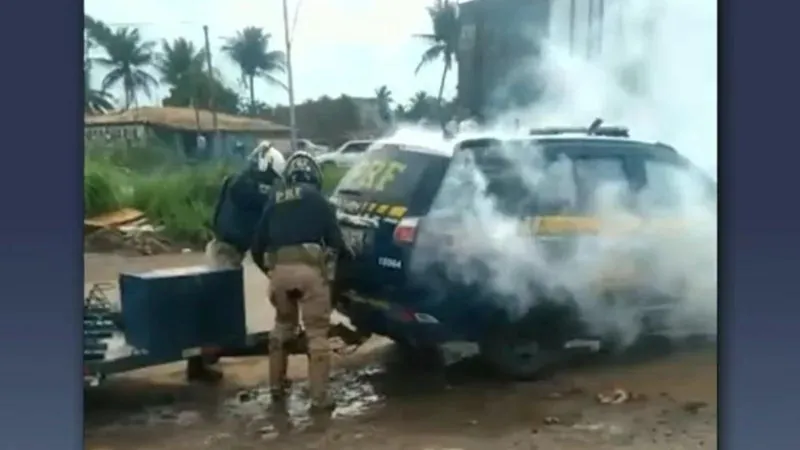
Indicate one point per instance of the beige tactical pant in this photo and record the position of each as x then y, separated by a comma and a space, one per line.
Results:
223, 255
298, 288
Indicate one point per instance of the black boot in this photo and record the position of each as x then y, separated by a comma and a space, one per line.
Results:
197, 370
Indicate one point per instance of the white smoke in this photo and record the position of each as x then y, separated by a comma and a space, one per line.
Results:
657, 75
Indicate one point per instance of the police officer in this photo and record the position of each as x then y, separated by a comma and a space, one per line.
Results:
237, 212
298, 225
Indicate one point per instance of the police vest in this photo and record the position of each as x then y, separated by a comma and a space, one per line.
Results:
240, 210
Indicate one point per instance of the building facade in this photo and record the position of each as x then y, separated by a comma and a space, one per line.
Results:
189, 133
500, 44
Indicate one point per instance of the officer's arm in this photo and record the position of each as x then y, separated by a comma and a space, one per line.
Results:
222, 192
261, 236
333, 234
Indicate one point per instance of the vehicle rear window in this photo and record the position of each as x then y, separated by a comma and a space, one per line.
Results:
395, 174
524, 177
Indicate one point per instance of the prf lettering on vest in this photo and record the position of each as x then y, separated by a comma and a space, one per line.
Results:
377, 175
287, 195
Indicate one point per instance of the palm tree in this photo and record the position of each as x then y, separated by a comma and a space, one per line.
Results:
249, 49
178, 62
95, 101
443, 40
384, 97
127, 57
420, 99
420, 106
96, 31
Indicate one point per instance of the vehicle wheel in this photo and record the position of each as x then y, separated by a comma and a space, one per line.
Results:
520, 360
416, 356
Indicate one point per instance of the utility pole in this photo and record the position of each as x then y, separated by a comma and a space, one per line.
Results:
290, 80
590, 36
572, 26
215, 140
478, 84
600, 22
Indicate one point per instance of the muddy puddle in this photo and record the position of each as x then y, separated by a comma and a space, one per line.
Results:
670, 403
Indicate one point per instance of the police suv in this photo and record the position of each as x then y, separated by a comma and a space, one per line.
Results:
410, 280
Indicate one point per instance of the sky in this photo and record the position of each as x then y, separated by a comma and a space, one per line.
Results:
339, 46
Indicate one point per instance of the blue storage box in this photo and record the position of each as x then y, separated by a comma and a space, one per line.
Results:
168, 311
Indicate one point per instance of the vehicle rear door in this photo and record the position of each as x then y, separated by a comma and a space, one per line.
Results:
378, 202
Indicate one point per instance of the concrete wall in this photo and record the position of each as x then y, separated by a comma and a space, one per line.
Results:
115, 132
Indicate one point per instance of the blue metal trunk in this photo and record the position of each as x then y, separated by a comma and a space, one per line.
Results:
166, 312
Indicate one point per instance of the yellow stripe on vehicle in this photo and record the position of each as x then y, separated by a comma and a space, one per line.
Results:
381, 210
397, 212
551, 225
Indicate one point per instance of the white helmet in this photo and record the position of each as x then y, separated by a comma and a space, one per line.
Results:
265, 157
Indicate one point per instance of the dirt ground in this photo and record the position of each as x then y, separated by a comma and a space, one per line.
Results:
382, 403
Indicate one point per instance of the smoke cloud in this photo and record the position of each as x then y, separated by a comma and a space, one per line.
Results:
656, 74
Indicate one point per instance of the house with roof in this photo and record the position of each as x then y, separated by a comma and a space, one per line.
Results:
191, 132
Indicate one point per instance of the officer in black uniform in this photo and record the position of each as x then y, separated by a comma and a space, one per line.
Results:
297, 227
238, 210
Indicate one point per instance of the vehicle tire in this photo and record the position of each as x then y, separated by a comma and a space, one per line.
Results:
522, 360
416, 356
531, 347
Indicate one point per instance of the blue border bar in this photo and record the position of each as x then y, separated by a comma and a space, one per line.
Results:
40, 193
40, 226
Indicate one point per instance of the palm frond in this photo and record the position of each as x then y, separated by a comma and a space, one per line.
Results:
430, 55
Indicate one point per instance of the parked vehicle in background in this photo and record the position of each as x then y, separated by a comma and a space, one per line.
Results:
310, 147
304, 145
345, 156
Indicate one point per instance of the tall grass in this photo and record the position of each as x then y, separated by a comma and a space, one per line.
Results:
174, 193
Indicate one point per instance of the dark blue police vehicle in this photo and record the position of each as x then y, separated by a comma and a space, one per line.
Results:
385, 204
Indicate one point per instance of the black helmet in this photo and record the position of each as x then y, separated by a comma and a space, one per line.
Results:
303, 175
301, 168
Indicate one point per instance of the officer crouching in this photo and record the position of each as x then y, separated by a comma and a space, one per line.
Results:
238, 210
298, 225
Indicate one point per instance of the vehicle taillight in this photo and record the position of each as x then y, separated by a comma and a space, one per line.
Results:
406, 230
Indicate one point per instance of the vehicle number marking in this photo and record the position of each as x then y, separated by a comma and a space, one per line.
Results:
390, 263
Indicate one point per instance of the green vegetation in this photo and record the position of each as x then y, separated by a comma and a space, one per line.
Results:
172, 193
179, 194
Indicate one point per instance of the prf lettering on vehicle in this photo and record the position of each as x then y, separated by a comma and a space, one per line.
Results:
560, 225
376, 175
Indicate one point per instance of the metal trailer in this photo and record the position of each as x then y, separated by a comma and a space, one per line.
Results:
170, 315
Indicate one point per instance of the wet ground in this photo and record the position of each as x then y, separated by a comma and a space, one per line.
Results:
669, 400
